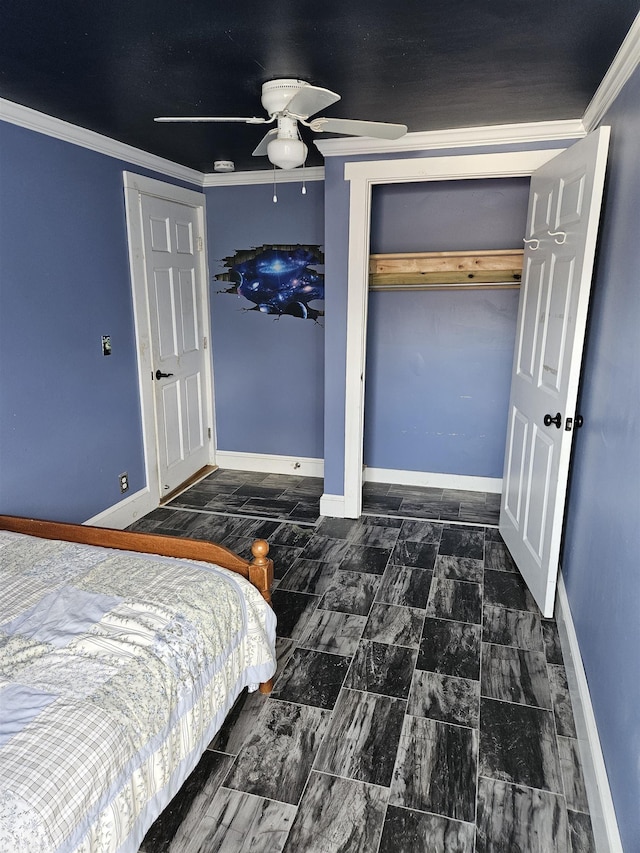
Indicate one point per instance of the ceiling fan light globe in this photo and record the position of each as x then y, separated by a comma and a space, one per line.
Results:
287, 153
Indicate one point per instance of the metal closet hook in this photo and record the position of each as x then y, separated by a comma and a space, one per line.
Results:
532, 244
557, 234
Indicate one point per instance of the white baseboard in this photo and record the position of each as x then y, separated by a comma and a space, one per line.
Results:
332, 506
603, 816
437, 481
125, 512
264, 463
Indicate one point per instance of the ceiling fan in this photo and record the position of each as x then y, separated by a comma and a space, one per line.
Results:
289, 101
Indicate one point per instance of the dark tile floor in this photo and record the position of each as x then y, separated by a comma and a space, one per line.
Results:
421, 702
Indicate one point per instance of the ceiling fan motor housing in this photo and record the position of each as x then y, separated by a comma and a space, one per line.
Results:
287, 150
276, 94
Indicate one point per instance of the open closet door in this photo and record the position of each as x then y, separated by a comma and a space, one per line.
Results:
562, 228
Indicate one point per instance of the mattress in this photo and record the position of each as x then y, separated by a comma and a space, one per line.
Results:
116, 670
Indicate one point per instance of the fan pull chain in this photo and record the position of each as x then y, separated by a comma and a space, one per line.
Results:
304, 181
275, 194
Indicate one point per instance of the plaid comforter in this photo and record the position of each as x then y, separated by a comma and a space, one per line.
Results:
116, 670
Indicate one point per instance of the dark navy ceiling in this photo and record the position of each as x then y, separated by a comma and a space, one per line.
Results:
112, 65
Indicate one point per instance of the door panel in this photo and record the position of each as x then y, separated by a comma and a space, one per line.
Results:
530, 297
557, 324
540, 205
172, 417
164, 314
540, 486
159, 233
188, 312
184, 238
562, 226
193, 396
515, 461
571, 197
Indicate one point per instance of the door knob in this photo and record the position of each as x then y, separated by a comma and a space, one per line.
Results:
161, 375
548, 420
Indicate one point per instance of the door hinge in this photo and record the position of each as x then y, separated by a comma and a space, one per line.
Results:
209, 433
205, 343
200, 243
570, 423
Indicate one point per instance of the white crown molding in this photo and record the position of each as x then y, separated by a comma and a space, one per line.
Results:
460, 137
263, 176
63, 130
624, 64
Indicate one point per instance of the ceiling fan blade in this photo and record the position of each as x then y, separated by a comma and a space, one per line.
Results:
253, 120
261, 149
310, 100
352, 127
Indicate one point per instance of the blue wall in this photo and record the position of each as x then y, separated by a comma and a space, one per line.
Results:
69, 416
268, 371
601, 555
439, 362
441, 216
438, 381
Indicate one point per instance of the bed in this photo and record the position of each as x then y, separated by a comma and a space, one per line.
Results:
120, 656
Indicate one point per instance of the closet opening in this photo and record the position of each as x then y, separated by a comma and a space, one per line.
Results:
363, 177
439, 346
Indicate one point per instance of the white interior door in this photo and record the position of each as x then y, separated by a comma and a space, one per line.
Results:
562, 225
172, 242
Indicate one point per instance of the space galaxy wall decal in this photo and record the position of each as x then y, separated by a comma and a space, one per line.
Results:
278, 280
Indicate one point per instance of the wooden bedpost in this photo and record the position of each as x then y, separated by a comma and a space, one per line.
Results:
261, 569
261, 576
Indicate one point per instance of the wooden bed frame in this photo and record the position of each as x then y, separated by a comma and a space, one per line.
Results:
258, 571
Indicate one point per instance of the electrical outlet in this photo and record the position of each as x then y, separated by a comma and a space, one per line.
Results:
124, 482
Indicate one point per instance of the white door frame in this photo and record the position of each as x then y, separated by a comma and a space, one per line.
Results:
362, 177
134, 187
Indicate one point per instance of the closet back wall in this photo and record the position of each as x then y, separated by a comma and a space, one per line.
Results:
439, 362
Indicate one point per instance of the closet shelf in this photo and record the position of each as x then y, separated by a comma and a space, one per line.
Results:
436, 270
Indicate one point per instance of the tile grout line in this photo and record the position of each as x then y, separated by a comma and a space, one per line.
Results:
242, 516
480, 662
557, 745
